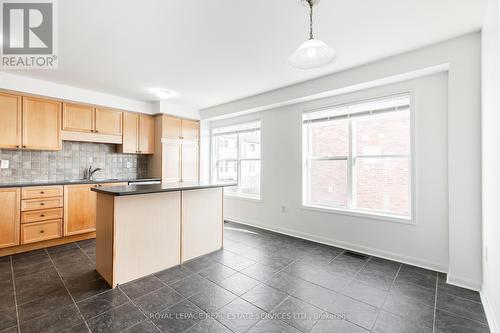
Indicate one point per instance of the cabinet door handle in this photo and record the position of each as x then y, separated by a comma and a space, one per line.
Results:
24, 146
96, 131
42, 231
18, 146
42, 204
42, 215
42, 192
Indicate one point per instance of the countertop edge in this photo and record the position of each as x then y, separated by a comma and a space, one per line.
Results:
158, 190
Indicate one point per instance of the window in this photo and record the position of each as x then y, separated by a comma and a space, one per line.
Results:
357, 157
236, 157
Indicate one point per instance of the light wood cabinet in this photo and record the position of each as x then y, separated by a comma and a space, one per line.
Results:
171, 128
78, 118
79, 209
36, 192
177, 158
171, 162
146, 134
10, 121
180, 129
42, 215
130, 133
180, 161
9, 217
138, 134
40, 231
90, 124
108, 121
189, 161
41, 124
46, 203
190, 130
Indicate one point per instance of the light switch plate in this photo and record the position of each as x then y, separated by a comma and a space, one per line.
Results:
4, 164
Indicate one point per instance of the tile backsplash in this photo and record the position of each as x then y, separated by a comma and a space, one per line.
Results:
70, 163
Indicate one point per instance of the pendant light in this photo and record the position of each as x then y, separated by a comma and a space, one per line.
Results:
312, 53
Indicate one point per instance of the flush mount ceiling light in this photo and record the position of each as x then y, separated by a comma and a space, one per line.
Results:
161, 93
312, 53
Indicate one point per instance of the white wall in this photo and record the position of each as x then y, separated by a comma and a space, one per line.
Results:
50, 89
177, 109
491, 163
462, 56
425, 243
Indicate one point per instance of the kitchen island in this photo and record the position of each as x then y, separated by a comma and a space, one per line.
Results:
143, 229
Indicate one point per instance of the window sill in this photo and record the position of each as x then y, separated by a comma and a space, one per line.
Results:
242, 197
361, 214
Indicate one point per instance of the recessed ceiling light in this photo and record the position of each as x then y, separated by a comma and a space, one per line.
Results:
161, 93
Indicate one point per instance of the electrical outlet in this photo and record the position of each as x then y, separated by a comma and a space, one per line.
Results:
129, 165
4, 164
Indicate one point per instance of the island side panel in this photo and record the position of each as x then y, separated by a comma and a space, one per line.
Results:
147, 234
202, 222
105, 220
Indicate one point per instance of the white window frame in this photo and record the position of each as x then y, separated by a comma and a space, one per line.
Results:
214, 162
357, 212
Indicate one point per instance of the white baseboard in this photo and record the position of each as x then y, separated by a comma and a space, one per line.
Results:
349, 246
463, 282
489, 313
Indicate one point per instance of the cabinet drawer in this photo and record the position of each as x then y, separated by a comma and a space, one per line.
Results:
42, 215
40, 231
37, 204
41, 192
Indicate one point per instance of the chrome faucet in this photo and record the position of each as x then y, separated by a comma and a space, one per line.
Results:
90, 172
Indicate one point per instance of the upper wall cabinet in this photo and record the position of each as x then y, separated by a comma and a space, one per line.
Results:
41, 124
138, 134
78, 118
86, 123
180, 129
108, 121
146, 134
29, 123
10, 121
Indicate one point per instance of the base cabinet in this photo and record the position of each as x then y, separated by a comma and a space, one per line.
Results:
80, 208
40, 231
9, 216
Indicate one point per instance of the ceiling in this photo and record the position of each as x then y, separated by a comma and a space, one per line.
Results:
212, 52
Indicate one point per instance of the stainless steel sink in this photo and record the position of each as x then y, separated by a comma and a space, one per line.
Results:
76, 180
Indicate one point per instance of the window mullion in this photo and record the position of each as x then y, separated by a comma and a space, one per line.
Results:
238, 169
350, 167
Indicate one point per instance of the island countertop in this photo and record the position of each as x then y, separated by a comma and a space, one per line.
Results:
158, 188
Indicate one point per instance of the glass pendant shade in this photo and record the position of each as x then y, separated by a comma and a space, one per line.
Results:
312, 53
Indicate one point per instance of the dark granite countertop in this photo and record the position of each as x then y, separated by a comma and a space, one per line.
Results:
157, 188
74, 182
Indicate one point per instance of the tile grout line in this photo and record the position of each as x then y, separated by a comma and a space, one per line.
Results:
66, 287
387, 295
15, 294
140, 310
84, 251
435, 305
263, 283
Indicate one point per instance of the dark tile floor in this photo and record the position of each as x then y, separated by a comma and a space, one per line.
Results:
260, 282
